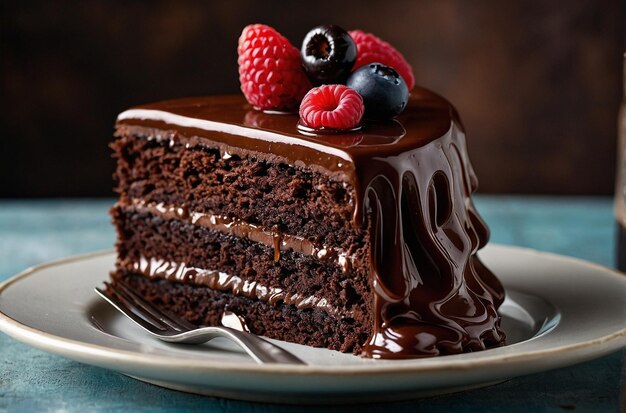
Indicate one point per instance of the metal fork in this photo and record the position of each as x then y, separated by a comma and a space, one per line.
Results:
168, 327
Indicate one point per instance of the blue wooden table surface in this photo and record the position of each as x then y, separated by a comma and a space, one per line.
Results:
30, 380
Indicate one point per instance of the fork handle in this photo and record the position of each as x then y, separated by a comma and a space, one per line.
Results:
261, 350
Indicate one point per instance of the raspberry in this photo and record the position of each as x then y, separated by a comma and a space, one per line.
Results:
373, 49
333, 107
270, 70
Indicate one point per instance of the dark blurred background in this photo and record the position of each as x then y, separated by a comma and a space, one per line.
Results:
537, 83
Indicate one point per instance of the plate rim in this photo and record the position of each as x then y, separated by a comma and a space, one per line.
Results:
104, 355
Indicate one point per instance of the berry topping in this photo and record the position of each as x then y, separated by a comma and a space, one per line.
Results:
373, 49
384, 91
270, 70
328, 54
331, 107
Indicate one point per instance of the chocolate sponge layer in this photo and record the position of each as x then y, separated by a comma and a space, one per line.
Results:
277, 196
204, 307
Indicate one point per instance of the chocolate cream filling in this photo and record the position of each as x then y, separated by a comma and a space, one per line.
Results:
221, 281
239, 228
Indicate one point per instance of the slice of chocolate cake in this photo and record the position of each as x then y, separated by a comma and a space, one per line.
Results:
360, 242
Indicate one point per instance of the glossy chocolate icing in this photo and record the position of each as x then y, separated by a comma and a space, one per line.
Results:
412, 184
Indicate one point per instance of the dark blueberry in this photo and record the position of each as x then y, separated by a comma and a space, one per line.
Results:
384, 92
328, 54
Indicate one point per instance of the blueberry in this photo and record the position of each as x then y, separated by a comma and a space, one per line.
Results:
328, 54
384, 92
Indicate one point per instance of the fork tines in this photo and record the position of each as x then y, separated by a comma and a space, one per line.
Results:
147, 315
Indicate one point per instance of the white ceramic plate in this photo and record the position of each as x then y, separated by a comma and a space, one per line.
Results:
559, 311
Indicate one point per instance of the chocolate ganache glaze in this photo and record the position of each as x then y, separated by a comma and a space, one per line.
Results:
413, 184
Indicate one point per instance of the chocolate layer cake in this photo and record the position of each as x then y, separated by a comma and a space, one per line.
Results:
360, 242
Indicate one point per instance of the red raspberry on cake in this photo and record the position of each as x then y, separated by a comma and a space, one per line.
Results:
374, 49
270, 70
332, 107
